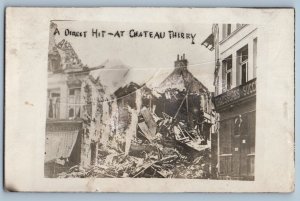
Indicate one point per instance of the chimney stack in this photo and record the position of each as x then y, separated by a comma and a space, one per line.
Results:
182, 63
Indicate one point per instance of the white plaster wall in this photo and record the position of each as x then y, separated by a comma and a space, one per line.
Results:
230, 46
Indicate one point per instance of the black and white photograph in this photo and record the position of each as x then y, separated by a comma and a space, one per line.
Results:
162, 100
169, 101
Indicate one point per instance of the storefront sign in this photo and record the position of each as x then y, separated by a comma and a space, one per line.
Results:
236, 94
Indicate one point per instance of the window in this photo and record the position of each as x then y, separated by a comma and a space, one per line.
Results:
53, 104
71, 112
228, 30
74, 103
244, 54
243, 64
238, 26
254, 57
228, 71
72, 92
244, 73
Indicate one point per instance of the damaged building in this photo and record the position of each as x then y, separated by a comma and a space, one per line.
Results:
64, 122
187, 100
102, 124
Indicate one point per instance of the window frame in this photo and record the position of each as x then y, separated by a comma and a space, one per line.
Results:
228, 71
228, 29
55, 108
246, 78
72, 104
242, 63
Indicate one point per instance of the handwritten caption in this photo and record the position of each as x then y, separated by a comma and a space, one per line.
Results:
132, 33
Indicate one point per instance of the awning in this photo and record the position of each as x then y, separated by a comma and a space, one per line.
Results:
59, 144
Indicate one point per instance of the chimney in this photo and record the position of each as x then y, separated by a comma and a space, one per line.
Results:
182, 63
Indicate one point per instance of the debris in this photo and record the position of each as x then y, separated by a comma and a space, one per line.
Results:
152, 146
149, 120
145, 131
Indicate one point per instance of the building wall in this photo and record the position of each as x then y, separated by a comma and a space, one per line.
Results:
237, 118
230, 45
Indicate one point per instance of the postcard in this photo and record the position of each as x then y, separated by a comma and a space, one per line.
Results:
149, 100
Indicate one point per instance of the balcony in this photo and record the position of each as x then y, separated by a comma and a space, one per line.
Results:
236, 94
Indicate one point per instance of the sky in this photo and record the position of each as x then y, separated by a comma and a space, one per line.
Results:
149, 58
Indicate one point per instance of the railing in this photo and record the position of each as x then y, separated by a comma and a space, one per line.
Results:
240, 92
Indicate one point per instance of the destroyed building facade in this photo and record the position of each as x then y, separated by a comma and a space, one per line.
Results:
63, 122
67, 78
235, 47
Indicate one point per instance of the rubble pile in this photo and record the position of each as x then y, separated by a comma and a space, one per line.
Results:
157, 151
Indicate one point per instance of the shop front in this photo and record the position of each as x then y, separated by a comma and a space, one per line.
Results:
236, 134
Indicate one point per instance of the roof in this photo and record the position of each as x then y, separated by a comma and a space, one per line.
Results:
182, 79
71, 61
